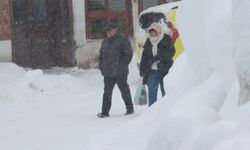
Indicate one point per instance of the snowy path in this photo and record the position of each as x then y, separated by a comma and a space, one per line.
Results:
55, 111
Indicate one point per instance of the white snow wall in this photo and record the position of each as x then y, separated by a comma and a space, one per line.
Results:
206, 30
216, 38
241, 37
5, 51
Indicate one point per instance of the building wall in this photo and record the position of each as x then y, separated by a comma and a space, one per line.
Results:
5, 32
4, 20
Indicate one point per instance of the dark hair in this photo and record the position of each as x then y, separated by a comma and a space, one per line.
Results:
110, 25
147, 19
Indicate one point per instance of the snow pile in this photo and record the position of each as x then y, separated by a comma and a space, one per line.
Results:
189, 117
210, 47
55, 109
8, 87
44, 83
241, 32
19, 84
209, 51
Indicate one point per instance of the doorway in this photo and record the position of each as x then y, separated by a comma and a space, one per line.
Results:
42, 33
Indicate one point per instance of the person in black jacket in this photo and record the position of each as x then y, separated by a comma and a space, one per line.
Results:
157, 59
115, 56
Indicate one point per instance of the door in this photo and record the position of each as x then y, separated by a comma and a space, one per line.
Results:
42, 34
20, 34
38, 28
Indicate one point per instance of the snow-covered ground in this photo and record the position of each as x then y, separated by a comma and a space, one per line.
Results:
56, 109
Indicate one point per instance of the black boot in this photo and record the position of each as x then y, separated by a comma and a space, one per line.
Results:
129, 112
103, 115
130, 109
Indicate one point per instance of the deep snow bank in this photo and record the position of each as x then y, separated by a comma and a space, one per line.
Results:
206, 30
194, 112
212, 29
22, 85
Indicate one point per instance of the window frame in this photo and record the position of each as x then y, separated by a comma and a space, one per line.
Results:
88, 8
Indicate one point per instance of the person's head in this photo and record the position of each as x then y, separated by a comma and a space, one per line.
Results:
111, 29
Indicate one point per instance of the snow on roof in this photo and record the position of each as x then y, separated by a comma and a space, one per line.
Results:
160, 8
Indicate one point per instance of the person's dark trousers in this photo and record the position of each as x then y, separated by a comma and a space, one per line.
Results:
109, 83
153, 83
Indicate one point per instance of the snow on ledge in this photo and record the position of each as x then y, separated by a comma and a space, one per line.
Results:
5, 51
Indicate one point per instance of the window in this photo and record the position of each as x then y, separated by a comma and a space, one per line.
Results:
39, 10
117, 5
98, 26
96, 5
150, 3
99, 12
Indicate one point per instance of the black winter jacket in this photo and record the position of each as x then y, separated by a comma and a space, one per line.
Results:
115, 56
165, 53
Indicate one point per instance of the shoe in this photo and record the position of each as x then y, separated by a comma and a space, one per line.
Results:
103, 115
130, 112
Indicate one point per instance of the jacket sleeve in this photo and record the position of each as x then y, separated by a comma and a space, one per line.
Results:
142, 67
169, 50
166, 56
100, 65
127, 52
144, 59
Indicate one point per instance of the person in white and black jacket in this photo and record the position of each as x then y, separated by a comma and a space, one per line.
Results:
157, 59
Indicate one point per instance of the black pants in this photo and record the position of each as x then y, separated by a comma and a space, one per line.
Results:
109, 83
